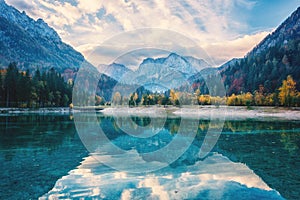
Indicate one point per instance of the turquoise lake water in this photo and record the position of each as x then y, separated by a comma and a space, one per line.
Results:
43, 156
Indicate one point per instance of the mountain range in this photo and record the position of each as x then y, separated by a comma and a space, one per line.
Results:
33, 44
157, 74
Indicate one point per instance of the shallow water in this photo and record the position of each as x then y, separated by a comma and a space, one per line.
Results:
43, 156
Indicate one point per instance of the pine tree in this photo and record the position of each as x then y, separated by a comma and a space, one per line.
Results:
10, 84
27, 88
1, 90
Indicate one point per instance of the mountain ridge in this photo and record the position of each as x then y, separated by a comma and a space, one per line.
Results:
32, 43
289, 29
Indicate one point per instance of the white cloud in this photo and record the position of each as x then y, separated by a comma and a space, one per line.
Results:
224, 51
89, 6
64, 13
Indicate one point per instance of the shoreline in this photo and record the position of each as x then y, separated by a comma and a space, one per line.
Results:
203, 112
208, 112
35, 110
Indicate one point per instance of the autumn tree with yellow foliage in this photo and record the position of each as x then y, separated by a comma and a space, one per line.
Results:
288, 92
174, 99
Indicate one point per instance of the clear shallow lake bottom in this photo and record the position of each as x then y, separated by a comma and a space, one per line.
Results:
42, 156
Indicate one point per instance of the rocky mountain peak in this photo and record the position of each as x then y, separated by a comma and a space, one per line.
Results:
36, 28
32, 43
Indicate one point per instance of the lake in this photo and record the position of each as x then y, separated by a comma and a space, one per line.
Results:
44, 156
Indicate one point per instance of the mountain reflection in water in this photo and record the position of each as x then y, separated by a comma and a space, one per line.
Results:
252, 159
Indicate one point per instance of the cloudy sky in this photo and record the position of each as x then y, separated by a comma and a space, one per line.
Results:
223, 28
